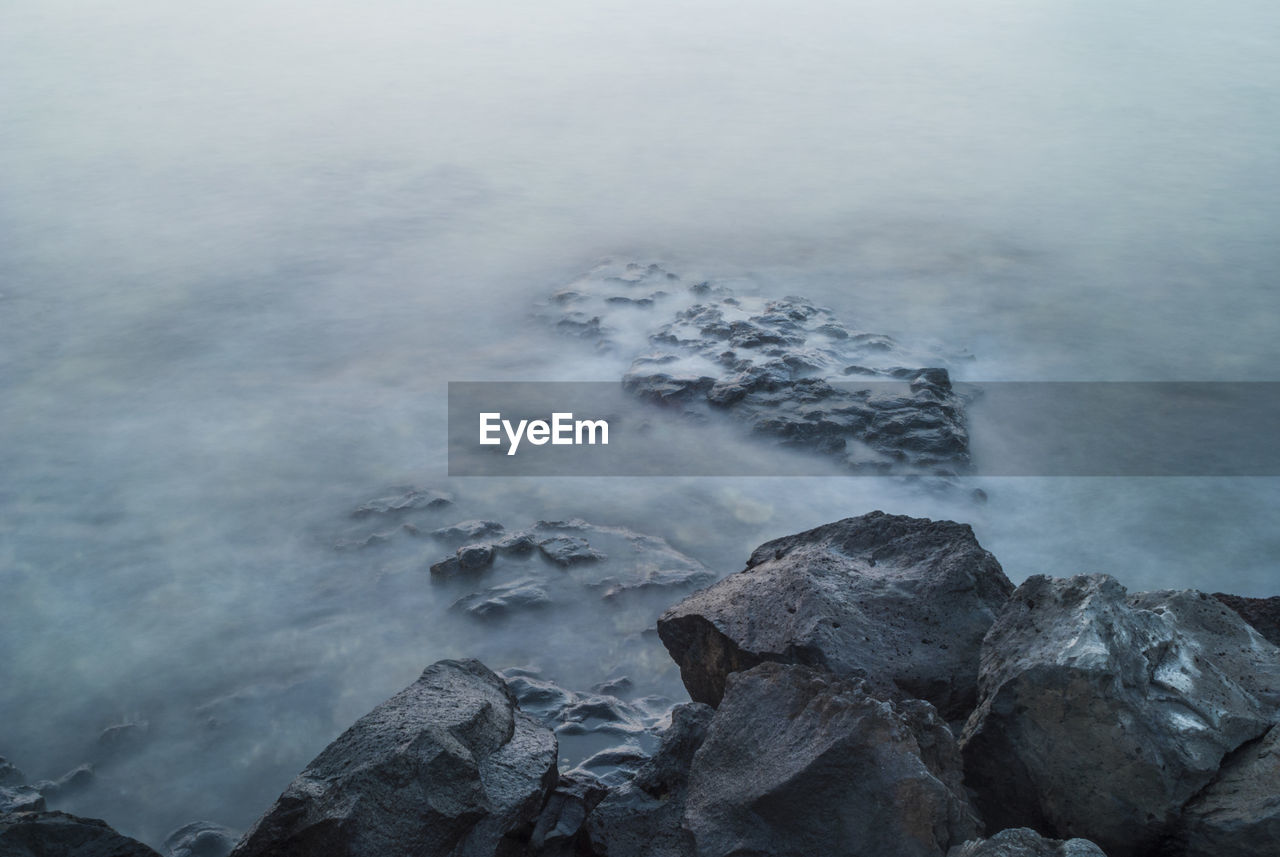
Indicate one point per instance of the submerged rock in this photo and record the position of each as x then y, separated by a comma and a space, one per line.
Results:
59, 834
900, 602
1024, 842
645, 817
404, 501
1102, 713
1238, 814
447, 766
799, 762
21, 799
781, 367
500, 600
201, 839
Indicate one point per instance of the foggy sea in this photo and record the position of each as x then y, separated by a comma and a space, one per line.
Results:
244, 248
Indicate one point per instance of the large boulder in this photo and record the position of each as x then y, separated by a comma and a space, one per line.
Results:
1103, 713
645, 817
201, 839
799, 762
1238, 814
900, 602
448, 766
1024, 842
59, 834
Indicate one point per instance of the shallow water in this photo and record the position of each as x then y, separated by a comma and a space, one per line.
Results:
242, 251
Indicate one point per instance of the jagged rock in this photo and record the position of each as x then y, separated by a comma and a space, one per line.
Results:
1103, 713
1238, 814
21, 799
900, 602
781, 367
645, 817
408, 500
201, 839
1262, 613
59, 834
565, 551
559, 828
496, 601
799, 762
468, 559
447, 766
1023, 842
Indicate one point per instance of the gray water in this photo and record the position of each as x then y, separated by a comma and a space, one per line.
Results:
243, 249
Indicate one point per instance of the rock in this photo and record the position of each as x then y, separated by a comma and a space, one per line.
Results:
646, 816
497, 601
120, 739
201, 839
799, 762
447, 766
1238, 814
559, 828
21, 799
900, 602
1262, 613
565, 551
59, 834
468, 531
407, 500
1023, 842
1103, 713
781, 367
468, 559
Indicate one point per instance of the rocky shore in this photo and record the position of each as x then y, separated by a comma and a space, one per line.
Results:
875, 686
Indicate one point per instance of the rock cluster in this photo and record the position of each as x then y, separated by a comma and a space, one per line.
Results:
871, 687
784, 368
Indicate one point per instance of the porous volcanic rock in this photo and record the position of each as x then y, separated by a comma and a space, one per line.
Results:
900, 602
59, 834
448, 766
1262, 613
1238, 814
799, 762
1103, 713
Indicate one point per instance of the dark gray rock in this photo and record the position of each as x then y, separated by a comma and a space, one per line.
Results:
467, 531
1102, 713
21, 799
782, 367
559, 829
1023, 842
799, 762
201, 839
404, 501
58, 834
645, 817
1262, 613
504, 599
447, 766
900, 602
1238, 814
468, 559
565, 551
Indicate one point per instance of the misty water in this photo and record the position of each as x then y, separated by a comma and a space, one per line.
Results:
243, 249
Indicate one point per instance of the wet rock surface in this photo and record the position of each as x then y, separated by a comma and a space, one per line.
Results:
783, 368
799, 762
1024, 842
201, 839
900, 602
59, 834
1238, 814
447, 766
1103, 713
